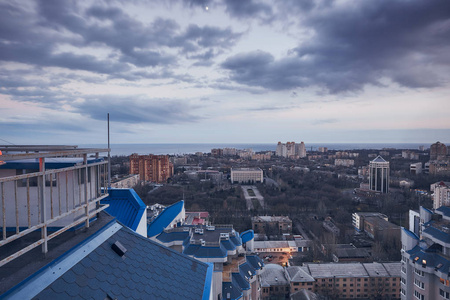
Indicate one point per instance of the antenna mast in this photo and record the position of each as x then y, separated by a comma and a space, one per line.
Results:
109, 159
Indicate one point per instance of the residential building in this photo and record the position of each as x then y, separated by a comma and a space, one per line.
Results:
439, 167
335, 280
236, 271
217, 152
245, 175
73, 237
426, 257
281, 246
359, 217
379, 175
441, 194
344, 162
229, 151
153, 168
126, 183
322, 149
291, 150
274, 283
408, 154
415, 168
272, 224
438, 151
378, 228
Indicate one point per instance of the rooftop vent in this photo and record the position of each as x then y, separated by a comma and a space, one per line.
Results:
210, 228
119, 248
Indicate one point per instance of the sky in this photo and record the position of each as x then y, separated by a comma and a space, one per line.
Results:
224, 71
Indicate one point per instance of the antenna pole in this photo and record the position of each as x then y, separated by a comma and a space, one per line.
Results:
109, 159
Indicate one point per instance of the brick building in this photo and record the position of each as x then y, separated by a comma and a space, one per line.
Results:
154, 168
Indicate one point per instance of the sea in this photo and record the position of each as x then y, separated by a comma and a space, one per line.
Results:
180, 149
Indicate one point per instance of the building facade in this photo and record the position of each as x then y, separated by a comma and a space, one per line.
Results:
425, 262
153, 168
272, 224
379, 175
245, 175
438, 151
441, 194
291, 149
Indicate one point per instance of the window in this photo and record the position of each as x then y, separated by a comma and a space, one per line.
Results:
403, 270
403, 280
418, 272
419, 283
419, 295
402, 291
444, 294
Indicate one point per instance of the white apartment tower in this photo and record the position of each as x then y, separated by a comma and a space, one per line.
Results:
426, 256
291, 149
441, 195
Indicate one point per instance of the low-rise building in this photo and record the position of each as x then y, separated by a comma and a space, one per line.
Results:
335, 280
415, 168
344, 162
245, 175
272, 224
126, 183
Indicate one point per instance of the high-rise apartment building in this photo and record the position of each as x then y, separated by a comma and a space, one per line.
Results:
426, 256
154, 168
441, 194
379, 175
438, 151
291, 149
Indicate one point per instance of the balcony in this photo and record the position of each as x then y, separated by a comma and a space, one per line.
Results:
45, 191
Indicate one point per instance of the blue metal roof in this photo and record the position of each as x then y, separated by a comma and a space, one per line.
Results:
126, 206
205, 252
147, 270
255, 262
432, 259
247, 270
236, 240
240, 281
167, 237
164, 219
247, 236
444, 210
442, 236
228, 288
228, 245
50, 163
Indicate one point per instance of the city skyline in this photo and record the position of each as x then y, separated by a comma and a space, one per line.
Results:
225, 71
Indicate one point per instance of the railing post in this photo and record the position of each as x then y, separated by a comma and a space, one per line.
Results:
43, 206
86, 189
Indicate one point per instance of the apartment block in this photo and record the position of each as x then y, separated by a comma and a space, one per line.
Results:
425, 266
271, 224
153, 168
441, 194
334, 280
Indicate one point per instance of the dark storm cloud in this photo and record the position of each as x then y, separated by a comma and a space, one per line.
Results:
37, 37
137, 109
360, 43
249, 8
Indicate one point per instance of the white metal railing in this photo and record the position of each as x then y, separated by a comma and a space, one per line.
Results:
59, 198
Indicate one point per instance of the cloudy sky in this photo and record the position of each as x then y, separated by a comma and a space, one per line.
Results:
229, 71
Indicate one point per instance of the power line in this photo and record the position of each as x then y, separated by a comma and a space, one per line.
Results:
8, 142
